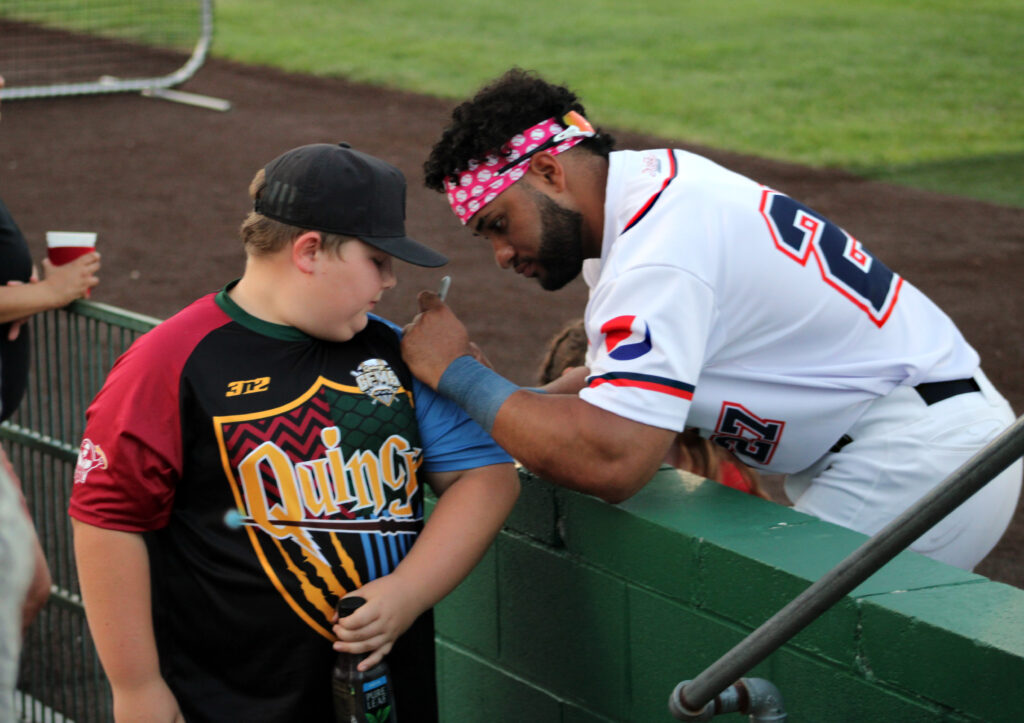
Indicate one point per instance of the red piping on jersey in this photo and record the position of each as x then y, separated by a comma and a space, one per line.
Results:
674, 169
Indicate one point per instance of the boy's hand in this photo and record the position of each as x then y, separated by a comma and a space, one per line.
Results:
389, 610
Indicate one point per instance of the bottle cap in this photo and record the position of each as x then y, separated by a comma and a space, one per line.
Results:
348, 605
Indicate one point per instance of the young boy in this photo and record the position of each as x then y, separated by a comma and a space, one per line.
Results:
262, 454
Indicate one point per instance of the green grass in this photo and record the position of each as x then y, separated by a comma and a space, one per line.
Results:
927, 93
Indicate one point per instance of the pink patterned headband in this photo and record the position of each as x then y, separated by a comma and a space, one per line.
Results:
485, 180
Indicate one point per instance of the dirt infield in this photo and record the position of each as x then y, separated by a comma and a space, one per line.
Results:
164, 185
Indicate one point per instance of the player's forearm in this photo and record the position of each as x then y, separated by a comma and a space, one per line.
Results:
468, 515
568, 441
113, 569
571, 443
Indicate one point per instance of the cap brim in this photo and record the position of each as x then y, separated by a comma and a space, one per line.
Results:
404, 248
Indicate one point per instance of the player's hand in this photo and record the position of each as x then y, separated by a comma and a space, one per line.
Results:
72, 280
434, 339
374, 627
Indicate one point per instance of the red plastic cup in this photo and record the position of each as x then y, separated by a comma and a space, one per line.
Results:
65, 246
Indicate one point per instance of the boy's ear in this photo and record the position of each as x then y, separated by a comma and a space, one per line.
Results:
306, 249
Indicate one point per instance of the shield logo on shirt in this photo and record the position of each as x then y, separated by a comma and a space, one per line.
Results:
377, 380
326, 489
626, 337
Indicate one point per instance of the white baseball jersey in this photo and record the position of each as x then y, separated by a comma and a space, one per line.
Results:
722, 304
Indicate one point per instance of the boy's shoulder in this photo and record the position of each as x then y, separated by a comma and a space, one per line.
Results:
175, 338
382, 324
381, 331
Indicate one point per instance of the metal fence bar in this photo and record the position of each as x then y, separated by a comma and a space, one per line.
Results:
73, 348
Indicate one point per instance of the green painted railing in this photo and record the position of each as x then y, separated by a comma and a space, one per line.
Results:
72, 351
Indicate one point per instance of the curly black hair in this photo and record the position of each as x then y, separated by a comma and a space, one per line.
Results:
485, 123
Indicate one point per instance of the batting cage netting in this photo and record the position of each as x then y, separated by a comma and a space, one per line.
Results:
74, 47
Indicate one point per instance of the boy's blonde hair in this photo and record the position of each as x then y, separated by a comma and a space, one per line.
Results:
263, 236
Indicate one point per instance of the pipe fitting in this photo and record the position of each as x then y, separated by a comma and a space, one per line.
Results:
756, 697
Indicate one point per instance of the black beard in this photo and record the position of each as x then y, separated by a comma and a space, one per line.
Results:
560, 256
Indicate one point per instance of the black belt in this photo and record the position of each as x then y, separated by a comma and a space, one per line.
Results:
931, 393
934, 392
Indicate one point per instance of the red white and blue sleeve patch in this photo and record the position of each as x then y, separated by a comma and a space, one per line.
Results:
627, 338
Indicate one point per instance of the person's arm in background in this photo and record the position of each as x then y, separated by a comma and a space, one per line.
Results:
571, 381
60, 286
471, 507
113, 569
39, 588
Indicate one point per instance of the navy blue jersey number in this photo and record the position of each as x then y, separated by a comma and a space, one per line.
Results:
746, 434
844, 263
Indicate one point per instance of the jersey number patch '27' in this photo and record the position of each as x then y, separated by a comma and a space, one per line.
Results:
844, 263
746, 434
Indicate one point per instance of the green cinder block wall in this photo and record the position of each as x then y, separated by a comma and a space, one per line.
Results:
585, 612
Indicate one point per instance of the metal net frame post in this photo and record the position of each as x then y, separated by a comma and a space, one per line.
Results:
87, 33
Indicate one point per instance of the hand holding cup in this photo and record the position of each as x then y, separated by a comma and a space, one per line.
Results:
71, 274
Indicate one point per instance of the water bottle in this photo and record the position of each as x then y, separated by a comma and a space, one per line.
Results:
361, 696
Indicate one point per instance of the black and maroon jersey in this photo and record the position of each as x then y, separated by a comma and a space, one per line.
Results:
271, 473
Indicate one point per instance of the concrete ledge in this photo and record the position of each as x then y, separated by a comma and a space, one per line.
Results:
586, 611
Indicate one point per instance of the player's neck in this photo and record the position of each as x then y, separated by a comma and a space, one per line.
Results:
591, 182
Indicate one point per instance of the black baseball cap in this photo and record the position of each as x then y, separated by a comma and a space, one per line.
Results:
336, 189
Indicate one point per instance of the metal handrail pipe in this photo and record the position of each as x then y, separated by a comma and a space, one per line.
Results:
863, 562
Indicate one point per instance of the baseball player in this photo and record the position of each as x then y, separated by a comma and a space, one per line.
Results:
717, 303
263, 453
